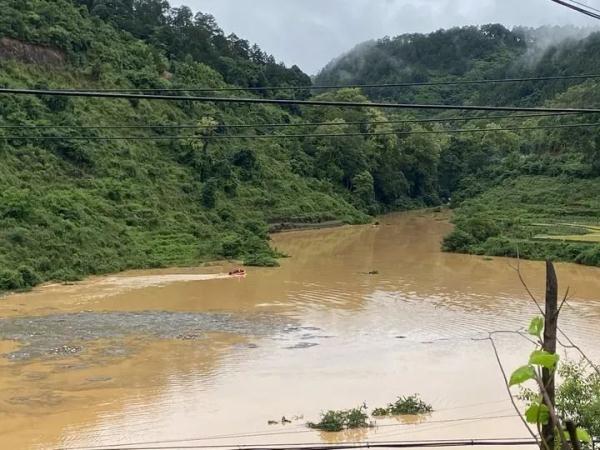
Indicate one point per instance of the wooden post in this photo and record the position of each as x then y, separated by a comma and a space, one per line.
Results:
551, 324
572, 429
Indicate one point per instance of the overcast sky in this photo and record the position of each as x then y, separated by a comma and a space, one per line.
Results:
310, 33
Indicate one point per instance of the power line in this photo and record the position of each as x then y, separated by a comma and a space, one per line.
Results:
347, 86
585, 5
277, 125
266, 101
296, 136
577, 8
303, 431
349, 446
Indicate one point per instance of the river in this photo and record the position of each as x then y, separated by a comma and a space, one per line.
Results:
186, 357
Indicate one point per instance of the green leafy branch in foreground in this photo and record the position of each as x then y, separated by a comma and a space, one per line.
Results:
410, 405
577, 397
541, 411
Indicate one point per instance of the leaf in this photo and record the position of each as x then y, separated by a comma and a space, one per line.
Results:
544, 359
538, 413
521, 375
584, 436
581, 434
536, 326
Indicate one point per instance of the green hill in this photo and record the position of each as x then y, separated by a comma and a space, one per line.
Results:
70, 207
469, 53
513, 190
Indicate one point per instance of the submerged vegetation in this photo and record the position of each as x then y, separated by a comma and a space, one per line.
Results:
71, 207
346, 419
404, 406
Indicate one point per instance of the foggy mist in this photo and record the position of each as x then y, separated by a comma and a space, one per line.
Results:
310, 33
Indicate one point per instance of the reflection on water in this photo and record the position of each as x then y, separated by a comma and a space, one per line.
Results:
363, 314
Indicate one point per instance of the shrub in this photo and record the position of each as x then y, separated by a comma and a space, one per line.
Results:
341, 420
261, 260
30, 277
10, 280
231, 246
257, 228
480, 228
209, 193
404, 406
458, 241
590, 256
578, 397
65, 275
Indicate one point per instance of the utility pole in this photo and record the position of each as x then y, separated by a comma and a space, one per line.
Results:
549, 345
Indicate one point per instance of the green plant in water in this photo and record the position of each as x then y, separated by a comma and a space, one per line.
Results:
410, 405
345, 419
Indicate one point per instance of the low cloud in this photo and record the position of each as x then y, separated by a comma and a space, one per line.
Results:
310, 33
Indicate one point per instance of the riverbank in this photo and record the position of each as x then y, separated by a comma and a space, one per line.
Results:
532, 217
297, 226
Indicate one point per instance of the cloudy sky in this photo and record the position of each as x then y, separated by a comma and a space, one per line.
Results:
310, 33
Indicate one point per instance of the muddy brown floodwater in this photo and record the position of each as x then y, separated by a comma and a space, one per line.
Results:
190, 356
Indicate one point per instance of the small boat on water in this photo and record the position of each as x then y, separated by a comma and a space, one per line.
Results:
237, 273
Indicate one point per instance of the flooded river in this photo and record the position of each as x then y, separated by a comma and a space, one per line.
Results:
356, 314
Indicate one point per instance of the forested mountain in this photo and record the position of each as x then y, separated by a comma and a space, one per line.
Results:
532, 193
469, 53
174, 196
179, 34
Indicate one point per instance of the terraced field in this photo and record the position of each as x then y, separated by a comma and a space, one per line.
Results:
589, 233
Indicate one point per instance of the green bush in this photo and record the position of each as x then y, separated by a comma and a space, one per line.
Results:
10, 280
261, 260
340, 420
590, 256
404, 406
65, 276
209, 193
458, 241
481, 228
30, 277
231, 246
578, 397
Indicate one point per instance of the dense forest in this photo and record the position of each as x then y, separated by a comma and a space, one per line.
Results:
71, 207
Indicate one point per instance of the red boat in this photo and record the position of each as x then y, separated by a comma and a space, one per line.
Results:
237, 273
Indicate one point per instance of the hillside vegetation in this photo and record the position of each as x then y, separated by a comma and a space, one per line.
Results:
71, 207
529, 193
